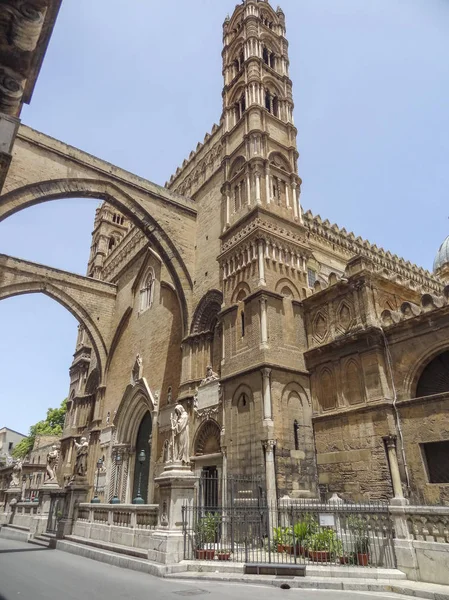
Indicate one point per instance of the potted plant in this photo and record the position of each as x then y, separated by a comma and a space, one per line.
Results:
302, 530
205, 534
361, 550
359, 530
282, 537
323, 544
224, 554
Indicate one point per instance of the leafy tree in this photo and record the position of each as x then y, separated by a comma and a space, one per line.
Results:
53, 424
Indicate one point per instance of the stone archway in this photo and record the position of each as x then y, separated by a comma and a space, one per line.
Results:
137, 404
91, 302
135, 209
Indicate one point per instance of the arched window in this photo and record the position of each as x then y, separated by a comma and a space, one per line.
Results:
272, 103
147, 291
435, 377
266, 56
273, 60
296, 434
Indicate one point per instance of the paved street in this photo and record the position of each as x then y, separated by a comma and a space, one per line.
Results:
28, 572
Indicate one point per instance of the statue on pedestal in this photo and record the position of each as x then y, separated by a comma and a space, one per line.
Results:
52, 461
82, 450
180, 431
16, 474
210, 376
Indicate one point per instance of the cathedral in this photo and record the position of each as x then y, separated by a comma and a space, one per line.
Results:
307, 360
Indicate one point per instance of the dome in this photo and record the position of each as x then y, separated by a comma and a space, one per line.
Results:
442, 257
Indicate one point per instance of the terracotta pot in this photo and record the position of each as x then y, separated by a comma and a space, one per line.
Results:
281, 548
319, 555
362, 559
344, 560
205, 554
224, 555
299, 550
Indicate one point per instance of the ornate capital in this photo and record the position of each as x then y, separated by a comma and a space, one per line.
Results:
269, 445
266, 372
390, 441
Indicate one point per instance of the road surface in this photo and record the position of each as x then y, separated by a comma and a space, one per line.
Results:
29, 572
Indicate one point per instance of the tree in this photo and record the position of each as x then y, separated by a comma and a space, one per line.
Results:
53, 424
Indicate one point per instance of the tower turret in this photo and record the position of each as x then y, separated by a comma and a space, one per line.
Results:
259, 132
110, 227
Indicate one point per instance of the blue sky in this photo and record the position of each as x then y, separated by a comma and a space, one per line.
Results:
141, 88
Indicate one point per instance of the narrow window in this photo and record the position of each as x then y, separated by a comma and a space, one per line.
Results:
242, 59
265, 56
276, 107
272, 60
437, 460
242, 317
296, 434
111, 244
311, 277
146, 291
268, 101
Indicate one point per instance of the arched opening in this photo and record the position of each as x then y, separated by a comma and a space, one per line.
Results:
36, 347
207, 444
142, 469
435, 377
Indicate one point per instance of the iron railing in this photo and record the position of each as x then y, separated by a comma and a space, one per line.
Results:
213, 490
302, 533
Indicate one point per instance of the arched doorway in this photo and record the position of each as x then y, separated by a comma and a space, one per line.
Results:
435, 377
208, 464
142, 470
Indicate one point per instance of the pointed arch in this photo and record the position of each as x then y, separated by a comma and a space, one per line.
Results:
135, 209
206, 312
72, 305
354, 389
136, 401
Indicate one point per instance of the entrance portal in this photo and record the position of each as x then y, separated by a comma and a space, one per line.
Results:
142, 470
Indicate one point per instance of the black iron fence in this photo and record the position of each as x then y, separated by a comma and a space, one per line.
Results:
301, 533
234, 490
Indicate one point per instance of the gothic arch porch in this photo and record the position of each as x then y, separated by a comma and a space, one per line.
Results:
135, 418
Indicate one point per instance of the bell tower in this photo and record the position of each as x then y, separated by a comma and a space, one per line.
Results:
264, 260
259, 132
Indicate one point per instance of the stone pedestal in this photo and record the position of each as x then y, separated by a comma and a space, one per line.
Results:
76, 493
39, 524
176, 489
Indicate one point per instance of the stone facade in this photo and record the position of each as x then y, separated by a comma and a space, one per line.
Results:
320, 341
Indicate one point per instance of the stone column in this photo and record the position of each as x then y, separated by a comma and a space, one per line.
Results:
294, 201
248, 189
261, 260
266, 386
270, 475
267, 178
228, 209
263, 325
258, 201
390, 442
287, 196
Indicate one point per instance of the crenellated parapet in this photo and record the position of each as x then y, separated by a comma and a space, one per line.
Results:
347, 243
200, 166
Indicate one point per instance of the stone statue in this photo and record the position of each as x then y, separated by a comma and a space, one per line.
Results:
16, 474
210, 376
52, 461
180, 431
169, 398
195, 403
82, 450
137, 370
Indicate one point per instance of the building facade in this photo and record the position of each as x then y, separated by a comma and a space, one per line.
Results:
9, 440
306, 358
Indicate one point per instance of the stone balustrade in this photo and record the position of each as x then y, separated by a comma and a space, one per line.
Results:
426, 523
124, 524
24, 513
